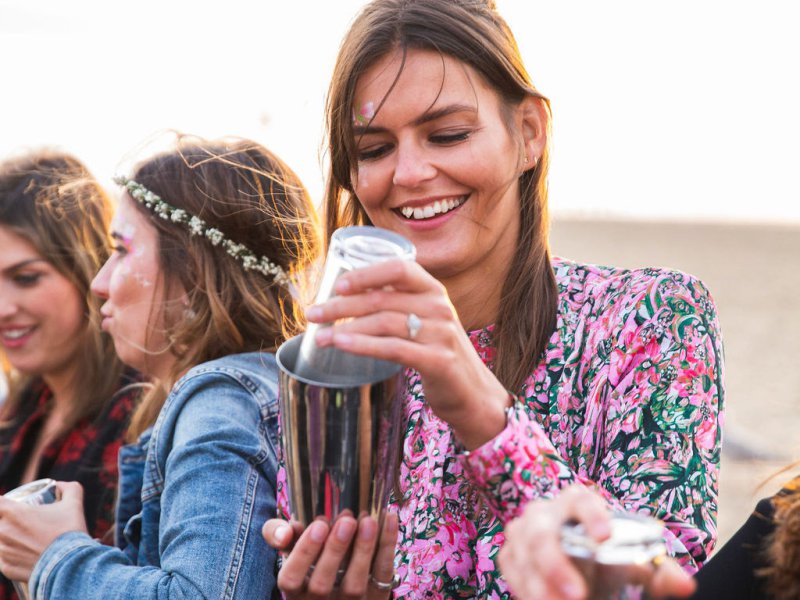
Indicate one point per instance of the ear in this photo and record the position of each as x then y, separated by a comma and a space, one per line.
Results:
535, 118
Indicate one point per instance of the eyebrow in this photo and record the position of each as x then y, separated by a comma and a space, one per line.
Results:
23, 264
427, 117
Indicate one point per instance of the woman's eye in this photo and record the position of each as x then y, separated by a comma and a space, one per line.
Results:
120, 249
450, 138
27, 279
373, 152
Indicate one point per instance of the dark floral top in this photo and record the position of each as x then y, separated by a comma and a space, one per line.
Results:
86, 454
627, 396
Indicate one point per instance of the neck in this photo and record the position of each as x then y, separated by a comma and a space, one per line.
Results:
476, 299
62, 386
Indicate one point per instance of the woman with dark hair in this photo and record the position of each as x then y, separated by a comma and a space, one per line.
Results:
526, 372
70, 400
197, 296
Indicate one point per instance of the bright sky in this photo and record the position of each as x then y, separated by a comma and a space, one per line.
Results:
685, 109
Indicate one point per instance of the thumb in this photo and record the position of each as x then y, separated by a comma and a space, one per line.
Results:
70, 491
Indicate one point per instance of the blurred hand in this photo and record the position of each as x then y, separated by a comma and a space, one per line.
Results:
312, 558
375, 303
535, 566
26, 530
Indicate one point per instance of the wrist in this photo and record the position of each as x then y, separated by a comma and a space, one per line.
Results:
479, 426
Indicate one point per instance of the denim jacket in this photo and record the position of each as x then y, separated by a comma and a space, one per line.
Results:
194, 492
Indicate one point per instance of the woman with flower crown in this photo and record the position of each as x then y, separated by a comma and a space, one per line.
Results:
197, 295
526, 372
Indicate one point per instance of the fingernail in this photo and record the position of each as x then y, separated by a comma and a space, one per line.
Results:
313, 313
571, 590
318, 532
344, 530
342, 285
282, 533
323, 336
367, 529
343, 339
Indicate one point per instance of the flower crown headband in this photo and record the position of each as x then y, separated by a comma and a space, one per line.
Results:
197, 226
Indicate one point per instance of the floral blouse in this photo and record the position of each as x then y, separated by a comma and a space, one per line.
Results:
628, 396
87, 453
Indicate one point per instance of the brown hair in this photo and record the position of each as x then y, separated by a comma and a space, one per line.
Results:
472, 32
51, 199
254, 199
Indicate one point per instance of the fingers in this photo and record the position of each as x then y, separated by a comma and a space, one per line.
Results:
402, 275
292, 576
70, 491
278, 534
588, 508
669, 579
426, 305
532, 559
355, 580
326, 572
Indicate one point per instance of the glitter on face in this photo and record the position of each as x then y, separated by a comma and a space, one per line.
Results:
365, 114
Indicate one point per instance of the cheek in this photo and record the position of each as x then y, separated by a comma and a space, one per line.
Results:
372, 185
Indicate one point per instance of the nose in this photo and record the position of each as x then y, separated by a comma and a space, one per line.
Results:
8, 307
413, 166
99, 285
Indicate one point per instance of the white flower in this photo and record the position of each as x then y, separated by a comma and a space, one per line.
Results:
196, 226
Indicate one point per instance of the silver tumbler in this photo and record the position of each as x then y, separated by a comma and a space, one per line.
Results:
617, 568
41, 491
340, 440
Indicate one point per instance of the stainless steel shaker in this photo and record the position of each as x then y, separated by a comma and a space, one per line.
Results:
340, 441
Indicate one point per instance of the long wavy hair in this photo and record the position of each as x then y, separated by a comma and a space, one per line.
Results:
50, 198
472, 32
251, 196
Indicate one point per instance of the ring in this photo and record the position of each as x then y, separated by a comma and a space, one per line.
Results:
414, 324
384, 587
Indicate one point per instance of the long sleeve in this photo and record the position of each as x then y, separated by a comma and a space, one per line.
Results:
199, 529
638, 413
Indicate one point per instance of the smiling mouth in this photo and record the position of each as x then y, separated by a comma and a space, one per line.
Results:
439, 207
16, 334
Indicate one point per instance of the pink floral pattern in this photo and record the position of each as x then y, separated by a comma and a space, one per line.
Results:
627, 397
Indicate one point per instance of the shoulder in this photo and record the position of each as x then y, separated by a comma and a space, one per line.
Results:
250, 378
644, 290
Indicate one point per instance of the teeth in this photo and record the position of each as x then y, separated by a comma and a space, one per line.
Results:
15, 334
431, 210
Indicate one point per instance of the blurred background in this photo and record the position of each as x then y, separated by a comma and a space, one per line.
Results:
675, 142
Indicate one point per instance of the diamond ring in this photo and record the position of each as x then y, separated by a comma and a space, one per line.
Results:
414, 324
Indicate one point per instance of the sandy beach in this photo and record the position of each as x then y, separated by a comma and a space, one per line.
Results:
753, 272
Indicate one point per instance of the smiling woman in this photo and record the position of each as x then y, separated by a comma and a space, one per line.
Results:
64, 418
526, 372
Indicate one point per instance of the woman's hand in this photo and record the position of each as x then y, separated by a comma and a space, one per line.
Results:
26, 530
375, 303
535, 566
313, 558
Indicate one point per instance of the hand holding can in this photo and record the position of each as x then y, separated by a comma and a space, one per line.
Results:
35, 493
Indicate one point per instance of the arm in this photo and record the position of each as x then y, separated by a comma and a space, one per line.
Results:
218, 488
649, 430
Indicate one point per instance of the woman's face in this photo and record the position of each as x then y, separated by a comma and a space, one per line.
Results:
42, 314
132, 286
438, 163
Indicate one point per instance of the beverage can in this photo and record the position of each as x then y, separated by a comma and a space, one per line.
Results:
36, 493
